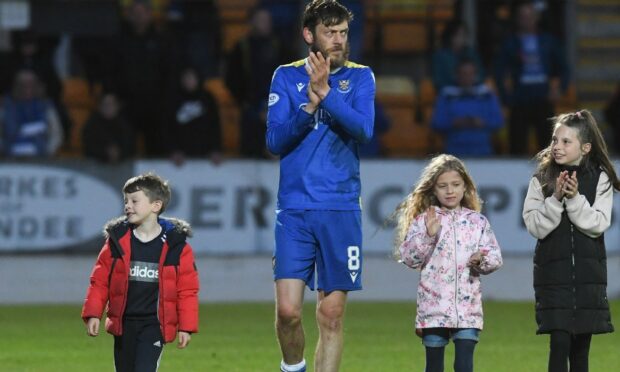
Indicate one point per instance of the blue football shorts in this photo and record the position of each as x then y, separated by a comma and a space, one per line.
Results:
326, 242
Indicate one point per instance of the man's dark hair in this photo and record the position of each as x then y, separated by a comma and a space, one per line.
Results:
327, 12
153, 186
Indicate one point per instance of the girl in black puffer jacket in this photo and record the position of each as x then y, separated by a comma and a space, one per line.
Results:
568, 208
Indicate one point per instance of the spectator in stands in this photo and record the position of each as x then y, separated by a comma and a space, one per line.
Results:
107, 135
356, 29
467, 114
36, 54
285, 23
142, 75
194, 126
612, 116
248, 76
29, 122
530, 58
454, 47
198, 34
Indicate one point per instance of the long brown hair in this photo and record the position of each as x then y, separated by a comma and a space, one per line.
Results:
422, 196
587, 132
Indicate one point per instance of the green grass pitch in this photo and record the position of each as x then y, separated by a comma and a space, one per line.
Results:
240, 337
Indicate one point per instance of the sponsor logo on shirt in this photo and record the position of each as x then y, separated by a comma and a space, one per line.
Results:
144, 271
273, 99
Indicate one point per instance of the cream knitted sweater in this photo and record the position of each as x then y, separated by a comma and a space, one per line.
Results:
542, 215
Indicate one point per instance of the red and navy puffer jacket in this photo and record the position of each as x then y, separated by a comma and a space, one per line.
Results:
178, 280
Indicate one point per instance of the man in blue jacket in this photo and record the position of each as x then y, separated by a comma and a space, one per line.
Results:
468, 114
320, 109
531, 59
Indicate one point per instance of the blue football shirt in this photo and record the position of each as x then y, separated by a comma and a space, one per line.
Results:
319, 161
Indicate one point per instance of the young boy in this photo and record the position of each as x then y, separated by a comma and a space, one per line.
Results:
146, 275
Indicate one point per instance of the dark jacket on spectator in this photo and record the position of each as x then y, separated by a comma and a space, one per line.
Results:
99, 134
248, 76
194, 126
510, 60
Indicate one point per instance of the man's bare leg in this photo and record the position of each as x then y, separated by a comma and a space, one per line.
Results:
329, 316
290, 332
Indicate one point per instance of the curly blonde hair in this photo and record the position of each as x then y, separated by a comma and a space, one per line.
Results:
422, 196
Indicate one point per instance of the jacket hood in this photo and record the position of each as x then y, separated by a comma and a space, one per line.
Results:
168, 224
177, 224
459, 212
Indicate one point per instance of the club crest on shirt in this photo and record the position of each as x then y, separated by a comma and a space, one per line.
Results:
343, 86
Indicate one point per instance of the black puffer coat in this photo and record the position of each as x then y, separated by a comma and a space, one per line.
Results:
570, 275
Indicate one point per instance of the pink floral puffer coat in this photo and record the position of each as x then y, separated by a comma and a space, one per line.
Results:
449, 292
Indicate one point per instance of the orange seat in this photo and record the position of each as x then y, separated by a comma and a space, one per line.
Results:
568, 101
76, 92
395, 42
229, 115
79, 101
427, 92
234, 20
406, 137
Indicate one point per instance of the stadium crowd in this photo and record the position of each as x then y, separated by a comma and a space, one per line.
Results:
154, 74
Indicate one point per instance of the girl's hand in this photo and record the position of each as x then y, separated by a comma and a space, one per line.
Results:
92, 327
476, 259
559, 185
184, 339
432, 221
571, 186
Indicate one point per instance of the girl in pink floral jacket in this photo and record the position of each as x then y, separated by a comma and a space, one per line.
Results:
442, 233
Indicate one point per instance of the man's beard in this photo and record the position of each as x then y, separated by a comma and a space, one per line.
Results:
334, 62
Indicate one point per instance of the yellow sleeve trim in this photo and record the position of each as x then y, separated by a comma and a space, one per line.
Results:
296, 63
350, 64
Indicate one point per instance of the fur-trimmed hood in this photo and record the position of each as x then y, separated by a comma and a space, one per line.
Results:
167, 223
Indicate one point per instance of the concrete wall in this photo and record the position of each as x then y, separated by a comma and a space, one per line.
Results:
63, 279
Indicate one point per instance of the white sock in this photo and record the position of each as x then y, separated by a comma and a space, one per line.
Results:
293, 368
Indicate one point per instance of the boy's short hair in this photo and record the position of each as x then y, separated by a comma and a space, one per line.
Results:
153, 186
327, 12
